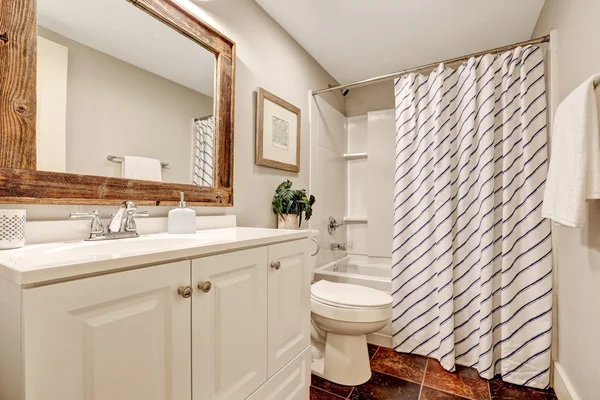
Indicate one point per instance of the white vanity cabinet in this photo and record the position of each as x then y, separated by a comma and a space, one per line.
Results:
289, 278
234, 326
117, 336
229, 324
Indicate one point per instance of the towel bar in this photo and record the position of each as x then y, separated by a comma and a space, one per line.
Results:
119, 160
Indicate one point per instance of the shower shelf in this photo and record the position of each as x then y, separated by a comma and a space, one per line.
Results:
356, 220
355, 156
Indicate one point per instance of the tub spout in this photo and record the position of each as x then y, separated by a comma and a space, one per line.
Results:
338, 246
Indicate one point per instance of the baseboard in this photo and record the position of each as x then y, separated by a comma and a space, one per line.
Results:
380, 340
562, 386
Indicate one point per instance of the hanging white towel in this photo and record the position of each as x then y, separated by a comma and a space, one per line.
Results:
574, 174
142, 168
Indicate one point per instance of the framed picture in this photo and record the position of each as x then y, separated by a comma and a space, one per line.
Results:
277, 132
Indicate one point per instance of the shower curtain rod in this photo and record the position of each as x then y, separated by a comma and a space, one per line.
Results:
382, 78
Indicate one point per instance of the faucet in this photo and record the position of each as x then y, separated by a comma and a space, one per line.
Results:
122, 224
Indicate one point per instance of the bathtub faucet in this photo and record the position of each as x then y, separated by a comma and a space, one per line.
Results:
338, 246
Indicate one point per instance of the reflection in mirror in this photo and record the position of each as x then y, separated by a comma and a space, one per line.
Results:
114, 81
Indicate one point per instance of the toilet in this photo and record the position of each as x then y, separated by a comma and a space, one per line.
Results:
342, 315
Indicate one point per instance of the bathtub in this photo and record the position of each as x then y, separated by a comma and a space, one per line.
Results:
356, 270
349, 269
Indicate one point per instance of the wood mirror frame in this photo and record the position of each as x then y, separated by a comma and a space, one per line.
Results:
20, 182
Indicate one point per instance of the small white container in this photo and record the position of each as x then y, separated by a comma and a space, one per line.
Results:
181, 219
12, 228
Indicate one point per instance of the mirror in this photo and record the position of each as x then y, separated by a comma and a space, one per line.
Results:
121, 94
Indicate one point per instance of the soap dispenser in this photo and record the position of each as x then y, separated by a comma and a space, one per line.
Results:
182, 219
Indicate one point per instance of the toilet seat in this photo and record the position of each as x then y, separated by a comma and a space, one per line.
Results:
347, 295
351, 303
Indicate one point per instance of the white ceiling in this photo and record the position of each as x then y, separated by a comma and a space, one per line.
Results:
118, 28
359, 39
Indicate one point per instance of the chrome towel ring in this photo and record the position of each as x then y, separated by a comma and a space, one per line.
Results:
318, 247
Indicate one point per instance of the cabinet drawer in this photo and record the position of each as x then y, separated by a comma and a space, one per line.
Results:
291, 383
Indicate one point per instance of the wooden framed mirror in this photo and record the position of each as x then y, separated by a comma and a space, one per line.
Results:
94, 93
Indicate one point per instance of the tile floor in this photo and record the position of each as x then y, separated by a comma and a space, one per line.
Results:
410, 377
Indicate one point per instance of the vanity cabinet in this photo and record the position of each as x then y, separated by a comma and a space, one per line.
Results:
289, 278
229, 326
117, 336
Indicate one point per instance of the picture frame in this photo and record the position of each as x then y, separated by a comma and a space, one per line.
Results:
277, 132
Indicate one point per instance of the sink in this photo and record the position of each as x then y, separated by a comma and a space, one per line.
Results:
124, 247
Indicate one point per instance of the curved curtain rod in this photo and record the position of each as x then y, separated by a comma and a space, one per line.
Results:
543, 39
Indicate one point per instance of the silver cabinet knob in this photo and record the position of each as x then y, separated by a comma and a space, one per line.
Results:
185, 291
205, 286
276, 265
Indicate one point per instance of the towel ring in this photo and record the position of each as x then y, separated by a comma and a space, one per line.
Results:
318, 247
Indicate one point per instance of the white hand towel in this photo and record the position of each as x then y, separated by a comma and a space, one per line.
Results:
142, 168
574, 173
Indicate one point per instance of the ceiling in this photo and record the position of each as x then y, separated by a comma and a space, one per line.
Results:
118, 28
359, 39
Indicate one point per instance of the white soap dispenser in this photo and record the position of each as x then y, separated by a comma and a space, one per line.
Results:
182, 219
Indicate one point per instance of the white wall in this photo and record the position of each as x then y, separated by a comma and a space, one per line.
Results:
328, 179
52, 77
577, 251
268, 57
378, 96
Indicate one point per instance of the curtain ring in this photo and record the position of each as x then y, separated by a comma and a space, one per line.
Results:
318, 247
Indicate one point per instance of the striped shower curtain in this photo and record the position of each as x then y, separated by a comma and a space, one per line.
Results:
472, 257
203, 154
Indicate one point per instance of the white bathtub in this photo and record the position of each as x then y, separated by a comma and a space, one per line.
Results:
352, 269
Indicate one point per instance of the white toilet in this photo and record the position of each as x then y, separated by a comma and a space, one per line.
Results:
342, 315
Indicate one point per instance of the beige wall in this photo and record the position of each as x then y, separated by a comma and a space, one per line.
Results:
267, 57
361, 100
577, 251
117, 108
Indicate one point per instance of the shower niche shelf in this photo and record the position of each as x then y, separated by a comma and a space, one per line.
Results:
355, 220
355, 156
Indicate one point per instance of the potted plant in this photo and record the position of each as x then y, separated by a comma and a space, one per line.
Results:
289, 205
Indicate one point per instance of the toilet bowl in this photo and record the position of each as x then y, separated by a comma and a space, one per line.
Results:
342, 315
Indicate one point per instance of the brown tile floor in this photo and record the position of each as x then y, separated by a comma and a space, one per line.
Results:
409, 377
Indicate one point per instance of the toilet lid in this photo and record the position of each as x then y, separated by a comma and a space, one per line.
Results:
348, 295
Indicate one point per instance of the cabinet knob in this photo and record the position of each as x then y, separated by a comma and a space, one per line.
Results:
185, 291
205, 286
276, 265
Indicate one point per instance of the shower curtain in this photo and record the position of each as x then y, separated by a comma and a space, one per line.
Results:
203, 154
472, 257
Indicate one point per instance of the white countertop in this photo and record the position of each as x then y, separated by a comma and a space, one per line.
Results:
43, 263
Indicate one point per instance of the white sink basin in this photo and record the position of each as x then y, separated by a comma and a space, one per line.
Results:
126, 247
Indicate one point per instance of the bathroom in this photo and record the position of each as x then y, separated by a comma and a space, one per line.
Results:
82, 89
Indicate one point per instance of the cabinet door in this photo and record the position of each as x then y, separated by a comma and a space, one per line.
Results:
229, 325
114, 337
289, 302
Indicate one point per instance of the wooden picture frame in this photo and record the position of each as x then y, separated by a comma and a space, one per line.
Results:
20, 182
264, 155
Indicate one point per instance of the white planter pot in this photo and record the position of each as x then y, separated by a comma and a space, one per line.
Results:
290, 222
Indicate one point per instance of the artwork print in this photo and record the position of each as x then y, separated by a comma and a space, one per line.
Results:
281, 133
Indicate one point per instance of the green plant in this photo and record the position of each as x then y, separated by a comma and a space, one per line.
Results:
290, 201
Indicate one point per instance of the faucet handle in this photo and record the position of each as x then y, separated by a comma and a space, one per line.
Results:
96, 226
130, 225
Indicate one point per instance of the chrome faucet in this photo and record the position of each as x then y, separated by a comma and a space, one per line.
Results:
122, 224
123, 221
